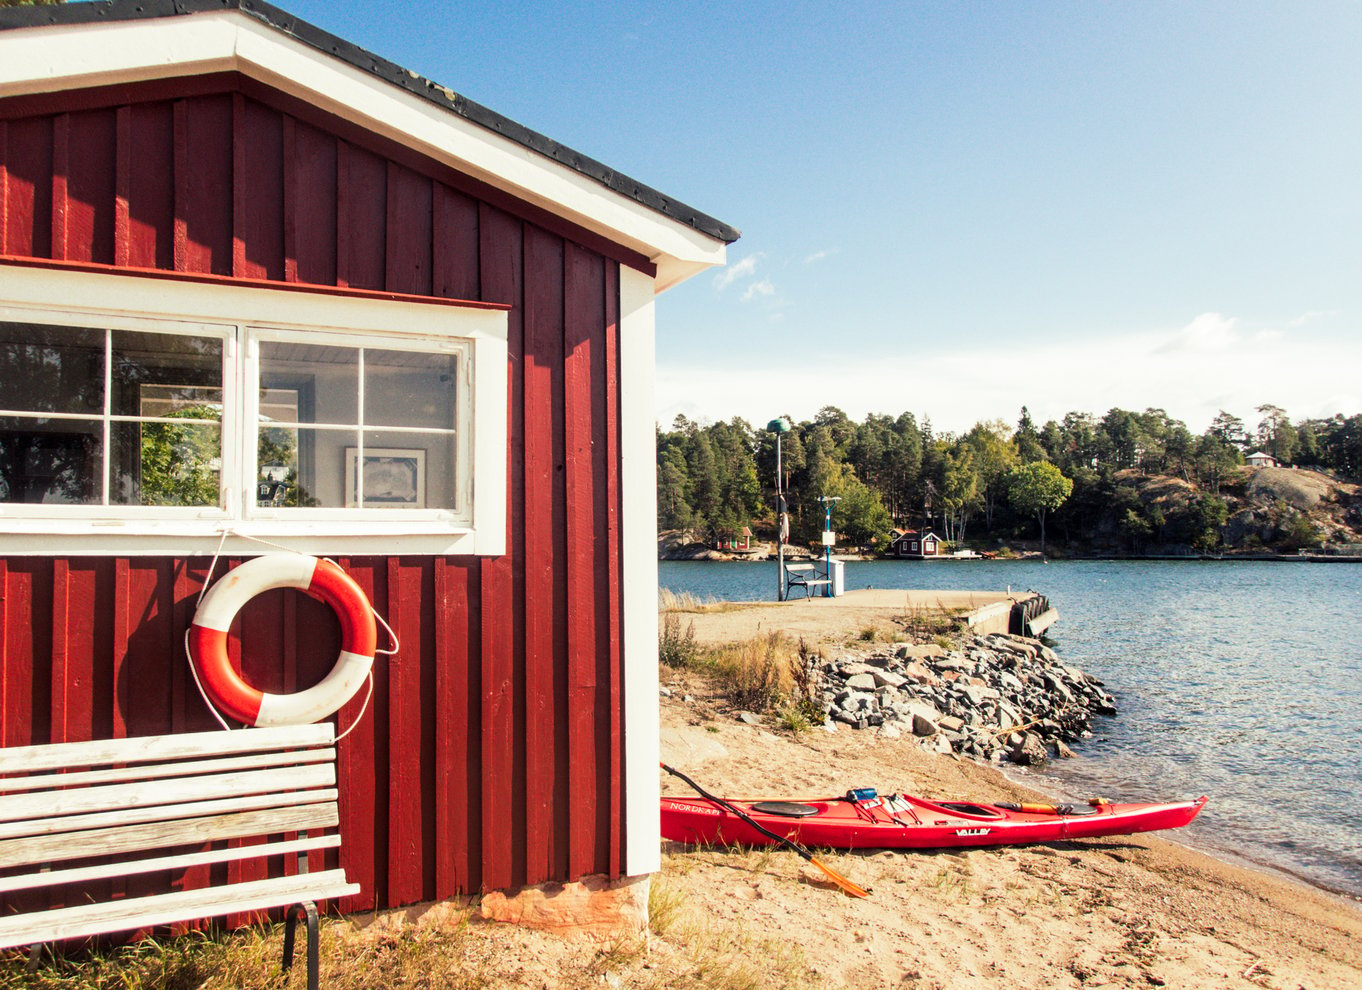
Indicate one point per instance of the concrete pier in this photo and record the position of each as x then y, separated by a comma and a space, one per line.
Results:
857, 613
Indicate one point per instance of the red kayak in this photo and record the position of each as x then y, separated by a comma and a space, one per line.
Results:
864, 820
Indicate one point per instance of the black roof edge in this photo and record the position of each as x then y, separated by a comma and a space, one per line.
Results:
314, 37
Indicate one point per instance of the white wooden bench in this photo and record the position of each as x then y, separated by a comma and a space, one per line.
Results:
803, 576
83, 816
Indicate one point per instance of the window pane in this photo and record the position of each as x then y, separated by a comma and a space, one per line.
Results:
329, 374
51, 462
285, 477
409, 470
180, 401
309, 464
166, 463
172, 371
409, 388
51, 369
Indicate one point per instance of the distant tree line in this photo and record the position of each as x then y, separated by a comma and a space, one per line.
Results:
897, 472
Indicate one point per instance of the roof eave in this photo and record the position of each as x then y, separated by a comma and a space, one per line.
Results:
67, 47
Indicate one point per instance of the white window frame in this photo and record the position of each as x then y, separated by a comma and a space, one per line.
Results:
243, 315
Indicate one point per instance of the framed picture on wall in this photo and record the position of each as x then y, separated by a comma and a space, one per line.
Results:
392, 478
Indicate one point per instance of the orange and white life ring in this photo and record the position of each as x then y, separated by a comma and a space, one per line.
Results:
319, 578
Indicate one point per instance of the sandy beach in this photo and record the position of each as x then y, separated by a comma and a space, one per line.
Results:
1132, 911
1124, 912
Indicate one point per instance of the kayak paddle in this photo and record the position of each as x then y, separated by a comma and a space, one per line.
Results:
788, 843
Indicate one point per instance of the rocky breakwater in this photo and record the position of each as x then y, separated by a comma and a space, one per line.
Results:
992, 698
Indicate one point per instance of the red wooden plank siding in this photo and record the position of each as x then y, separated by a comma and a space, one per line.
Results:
583, 316
27, 674
80, 623
545, 541
28, 160
502, 276
406, 757
203, 184
142, 688
491, 753
311, 205
258, 191
60, 151
147, 181
456, 272
362, 772
409, 241
501, 710
4, 187
88, 227
458, 774
64, 680
362, 204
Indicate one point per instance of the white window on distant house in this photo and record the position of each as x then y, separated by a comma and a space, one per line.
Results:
172, 411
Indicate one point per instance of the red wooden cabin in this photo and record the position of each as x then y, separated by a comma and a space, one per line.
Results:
911, 543
245, 270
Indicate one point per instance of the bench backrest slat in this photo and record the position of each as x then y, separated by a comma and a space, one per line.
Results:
160, 813
178, 790
123, 868
144, 912
151, 771
159, 749
119, 839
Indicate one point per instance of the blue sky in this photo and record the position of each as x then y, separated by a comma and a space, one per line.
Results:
955, 209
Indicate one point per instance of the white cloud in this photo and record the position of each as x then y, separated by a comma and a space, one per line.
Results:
744, 268
1192, 381
818, 256
1208, 333
761, 288
1309, 316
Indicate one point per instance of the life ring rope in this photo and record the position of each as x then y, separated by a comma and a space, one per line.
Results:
205, 641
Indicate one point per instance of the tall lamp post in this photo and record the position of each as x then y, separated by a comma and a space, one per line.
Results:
828, 537
779, 426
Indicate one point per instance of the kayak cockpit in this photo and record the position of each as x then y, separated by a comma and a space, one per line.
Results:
971, 810
787, 809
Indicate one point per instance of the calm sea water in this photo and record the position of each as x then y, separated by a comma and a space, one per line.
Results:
1241, 680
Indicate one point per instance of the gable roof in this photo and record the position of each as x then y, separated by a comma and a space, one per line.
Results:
66, 46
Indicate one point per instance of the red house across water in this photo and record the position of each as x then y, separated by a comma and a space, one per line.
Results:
260, 289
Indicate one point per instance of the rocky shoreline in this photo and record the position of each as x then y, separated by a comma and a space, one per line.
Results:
992, 698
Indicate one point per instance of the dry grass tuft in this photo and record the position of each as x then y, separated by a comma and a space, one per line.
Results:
924, 624
250, 957
677, 648
756, 673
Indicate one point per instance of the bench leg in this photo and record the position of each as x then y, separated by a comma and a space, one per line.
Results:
308, 909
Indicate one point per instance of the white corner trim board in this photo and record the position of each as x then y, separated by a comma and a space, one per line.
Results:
638, 498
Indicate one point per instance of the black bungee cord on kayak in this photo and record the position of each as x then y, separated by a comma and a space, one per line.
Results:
841, 881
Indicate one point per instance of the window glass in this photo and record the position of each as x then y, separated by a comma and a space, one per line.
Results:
166, 441
53, 382
409, 388
51, 462
332, 373
166, 463
51, 369
409, 470
309, 449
